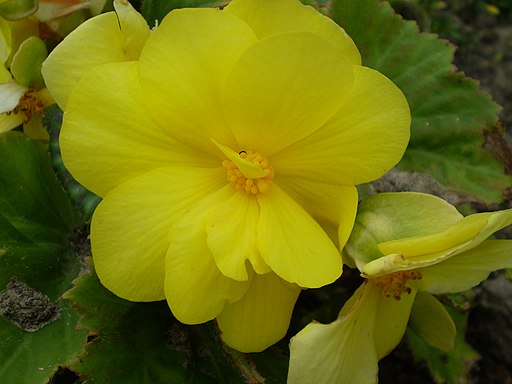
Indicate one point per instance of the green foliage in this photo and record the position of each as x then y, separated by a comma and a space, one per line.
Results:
142, 343
448, 111
36, 220
156, 9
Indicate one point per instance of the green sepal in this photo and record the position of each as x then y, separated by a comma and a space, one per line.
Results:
430, 321
26, 63
18, 9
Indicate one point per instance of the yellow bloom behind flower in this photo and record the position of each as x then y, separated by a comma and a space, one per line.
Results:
224, 156
408, 246
107, 38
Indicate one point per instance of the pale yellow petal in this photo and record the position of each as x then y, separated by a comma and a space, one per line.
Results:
195, 288
231, 230
268, 18
5, 42
390, 320
327, 203
293, 244
390, 216
467, 269
261, 318
5, 75
95, 42
284, 88
464, 235
129, 229
183, 67
366, 137
107, 137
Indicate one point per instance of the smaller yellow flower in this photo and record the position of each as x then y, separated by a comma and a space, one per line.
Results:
408, 246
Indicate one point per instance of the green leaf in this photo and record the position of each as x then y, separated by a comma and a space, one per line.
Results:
430, 321
153, 10
36, 221
144, 343
452, 367
448, 110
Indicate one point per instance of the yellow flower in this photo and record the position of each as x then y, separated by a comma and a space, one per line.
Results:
224, 156
429, 248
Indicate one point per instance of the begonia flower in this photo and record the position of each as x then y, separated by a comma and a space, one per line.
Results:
227, 157
408, 246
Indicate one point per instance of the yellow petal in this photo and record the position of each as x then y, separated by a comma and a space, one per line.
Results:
183, 67
95, 42
366, 137
327, 203
134, 29
467, 269
261, 317
105, 146
9, 121
293, 244
268, 18
283, 88
390, 216
195, 288
34, 128
130, 226
231, 229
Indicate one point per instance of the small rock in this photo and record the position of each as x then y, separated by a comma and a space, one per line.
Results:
25, 307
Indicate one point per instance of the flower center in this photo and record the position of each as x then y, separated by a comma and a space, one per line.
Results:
29, 105
251, 186
394, 284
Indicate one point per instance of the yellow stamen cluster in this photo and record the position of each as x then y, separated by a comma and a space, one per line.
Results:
394, 284
242, 183
29, 105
